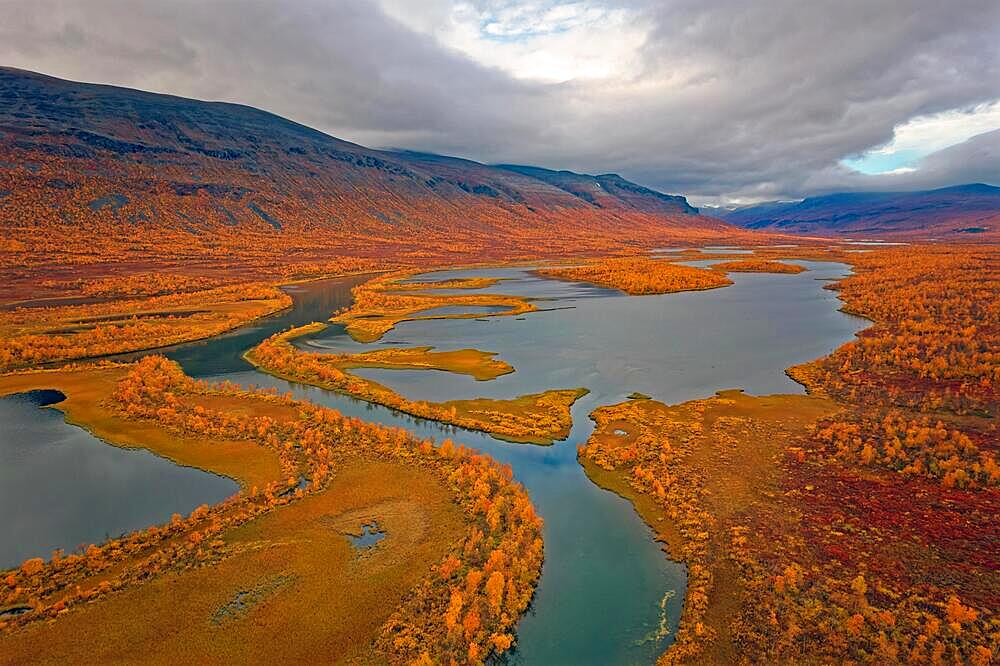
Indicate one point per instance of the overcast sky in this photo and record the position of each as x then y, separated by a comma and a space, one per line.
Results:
722, 100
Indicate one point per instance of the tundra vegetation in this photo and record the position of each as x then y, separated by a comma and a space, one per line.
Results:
130, 320
757, 266
536, 418
856, 524
381, 303
458, 566
640, 275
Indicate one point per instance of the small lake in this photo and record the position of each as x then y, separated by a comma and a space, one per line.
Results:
61, 487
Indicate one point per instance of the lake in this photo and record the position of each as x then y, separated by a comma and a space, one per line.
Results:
61, 487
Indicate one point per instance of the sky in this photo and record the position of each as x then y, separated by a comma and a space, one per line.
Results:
725, 101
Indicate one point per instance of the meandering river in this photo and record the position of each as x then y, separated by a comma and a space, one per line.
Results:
607, 588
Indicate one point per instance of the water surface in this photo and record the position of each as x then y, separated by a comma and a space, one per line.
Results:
604, 579
61, 487
605, 582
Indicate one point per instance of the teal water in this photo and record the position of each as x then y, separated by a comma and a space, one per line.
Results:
61, 487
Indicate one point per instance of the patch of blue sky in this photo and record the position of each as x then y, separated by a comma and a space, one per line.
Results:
877, 162
920, 136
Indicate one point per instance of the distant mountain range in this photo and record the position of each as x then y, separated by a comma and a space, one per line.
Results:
98, 174
960, 211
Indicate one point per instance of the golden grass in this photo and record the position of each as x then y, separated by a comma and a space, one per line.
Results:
539, 418
640, 275
457, 283
32, 336
536, 418
385, 301
286, 585
88, 389
757, 266
481, 365
308, 595
716, 464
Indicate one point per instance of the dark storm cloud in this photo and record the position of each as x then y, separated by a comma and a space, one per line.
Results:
341, 66
728, 98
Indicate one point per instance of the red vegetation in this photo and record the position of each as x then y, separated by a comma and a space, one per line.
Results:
935, 343
868, 535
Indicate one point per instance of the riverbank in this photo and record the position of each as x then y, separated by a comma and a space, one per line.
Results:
792, 555
540, 418
690, 480
855, 530
256, 568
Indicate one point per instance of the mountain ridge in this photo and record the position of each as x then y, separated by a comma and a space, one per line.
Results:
122, 140
97, 178
970, 208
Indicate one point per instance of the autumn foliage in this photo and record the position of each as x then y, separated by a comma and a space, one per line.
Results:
539, 418
935, 342
382, 302
757, 266
862, 536
640, 275
34, 335
489, 576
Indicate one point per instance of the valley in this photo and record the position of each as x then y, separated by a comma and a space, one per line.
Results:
267, 394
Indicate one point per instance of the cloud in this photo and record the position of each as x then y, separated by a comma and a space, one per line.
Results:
546, 40
921, 136
976, 160
717, 99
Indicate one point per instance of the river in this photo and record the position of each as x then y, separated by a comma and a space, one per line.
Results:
606, 585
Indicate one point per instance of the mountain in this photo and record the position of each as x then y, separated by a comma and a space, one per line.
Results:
960, 211
97, 175
607, 191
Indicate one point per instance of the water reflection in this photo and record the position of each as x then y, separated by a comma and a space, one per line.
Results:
61, 487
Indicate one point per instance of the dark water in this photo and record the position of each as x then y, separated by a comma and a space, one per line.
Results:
369, 536
61, 487
312, 301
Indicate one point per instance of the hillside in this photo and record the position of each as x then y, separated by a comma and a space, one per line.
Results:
100, 177
960, 212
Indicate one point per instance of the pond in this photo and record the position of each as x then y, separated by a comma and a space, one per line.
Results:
605, 582
61, 487
367, 537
